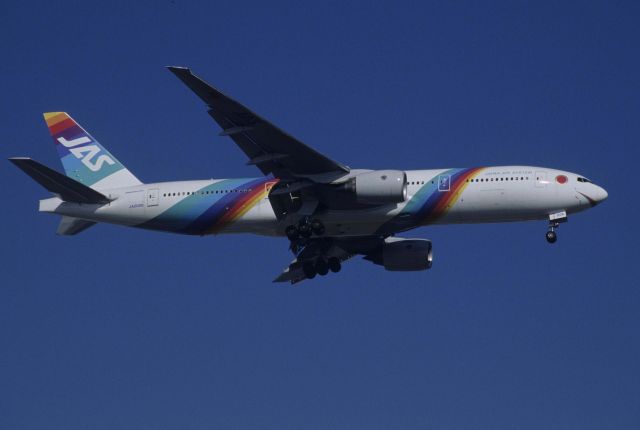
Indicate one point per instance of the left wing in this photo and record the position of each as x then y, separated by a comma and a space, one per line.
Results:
272, 150
294, 272
326, 248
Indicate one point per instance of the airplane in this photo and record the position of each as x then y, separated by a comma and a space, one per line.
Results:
328, 211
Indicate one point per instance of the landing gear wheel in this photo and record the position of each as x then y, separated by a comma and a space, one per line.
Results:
554, 222
309, 270
334, 264
322, 267
292, 232
305, 230
317, 228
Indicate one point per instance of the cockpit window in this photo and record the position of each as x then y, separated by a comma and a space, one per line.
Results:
581, 179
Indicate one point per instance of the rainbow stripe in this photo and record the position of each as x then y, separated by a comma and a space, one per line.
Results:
213, 208
432, 201
240, 206
58, 122
443, 201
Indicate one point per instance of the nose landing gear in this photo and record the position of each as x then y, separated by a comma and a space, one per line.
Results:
554, 222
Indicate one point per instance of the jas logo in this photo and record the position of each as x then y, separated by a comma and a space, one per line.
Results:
86, 153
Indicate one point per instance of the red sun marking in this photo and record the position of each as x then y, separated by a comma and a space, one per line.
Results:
561, 179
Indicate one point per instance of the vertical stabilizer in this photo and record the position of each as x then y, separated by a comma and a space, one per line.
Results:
82, 156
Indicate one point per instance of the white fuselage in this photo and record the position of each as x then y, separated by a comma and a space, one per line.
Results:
438, 196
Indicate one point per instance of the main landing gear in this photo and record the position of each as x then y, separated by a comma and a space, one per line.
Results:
321, 267
305, 228
554, 222
310, 248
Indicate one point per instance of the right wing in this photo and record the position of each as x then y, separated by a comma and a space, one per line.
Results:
272, 150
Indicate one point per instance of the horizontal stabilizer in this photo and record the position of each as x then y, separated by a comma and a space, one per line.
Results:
69, 226
68, 189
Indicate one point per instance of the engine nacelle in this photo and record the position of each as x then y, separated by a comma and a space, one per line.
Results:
407, 254
380, 187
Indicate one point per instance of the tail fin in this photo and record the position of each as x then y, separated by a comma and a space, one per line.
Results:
83, 158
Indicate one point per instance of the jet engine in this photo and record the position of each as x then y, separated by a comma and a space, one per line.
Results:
380, 187
398, 254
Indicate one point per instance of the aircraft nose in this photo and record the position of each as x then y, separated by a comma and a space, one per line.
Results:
600, 194
593, 194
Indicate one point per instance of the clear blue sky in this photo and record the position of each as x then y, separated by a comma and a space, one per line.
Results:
127, 329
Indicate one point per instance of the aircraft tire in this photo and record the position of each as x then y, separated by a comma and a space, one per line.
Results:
334, 264
322, 267
305, 230
292, 232
552, 237
317, 228
309, 270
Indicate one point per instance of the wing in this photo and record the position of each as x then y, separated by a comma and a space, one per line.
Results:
326, 248
272, 150
294, 272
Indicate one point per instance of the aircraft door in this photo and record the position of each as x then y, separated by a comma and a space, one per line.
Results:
267, 187
152, 197
541, 179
